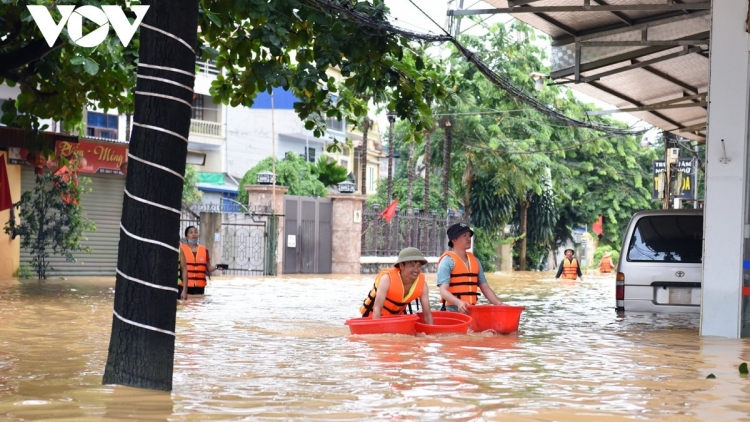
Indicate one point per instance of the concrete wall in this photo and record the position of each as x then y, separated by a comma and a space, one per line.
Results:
10, 249
249, 136
347, 234
725, 207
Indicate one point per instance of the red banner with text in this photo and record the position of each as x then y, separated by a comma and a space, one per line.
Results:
94, 157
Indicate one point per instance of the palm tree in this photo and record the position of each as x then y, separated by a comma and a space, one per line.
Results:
392, 124
427, 142
447, 124
141, 347
363, 159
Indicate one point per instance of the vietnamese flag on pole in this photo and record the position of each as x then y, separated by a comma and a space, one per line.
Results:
5, 202
389, 212
597, 227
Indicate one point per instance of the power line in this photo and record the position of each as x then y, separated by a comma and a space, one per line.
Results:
497, 79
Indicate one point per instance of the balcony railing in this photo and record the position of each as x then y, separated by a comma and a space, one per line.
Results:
208, 67
202, 127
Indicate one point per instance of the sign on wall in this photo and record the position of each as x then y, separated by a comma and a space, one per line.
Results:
95, 157
683, 175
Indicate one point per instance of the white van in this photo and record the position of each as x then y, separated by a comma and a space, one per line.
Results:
660, 266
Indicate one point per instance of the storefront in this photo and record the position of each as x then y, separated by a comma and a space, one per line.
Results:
102, 163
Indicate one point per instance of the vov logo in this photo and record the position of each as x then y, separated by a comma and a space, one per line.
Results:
103, 17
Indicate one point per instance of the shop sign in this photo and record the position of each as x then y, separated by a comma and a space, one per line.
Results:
683, 175
94, 157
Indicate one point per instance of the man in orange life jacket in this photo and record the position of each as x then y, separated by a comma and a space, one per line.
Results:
194, 263
460, 275
606, 264
395, 288
569, 267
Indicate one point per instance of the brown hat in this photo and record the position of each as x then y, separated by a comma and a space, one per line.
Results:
410, 254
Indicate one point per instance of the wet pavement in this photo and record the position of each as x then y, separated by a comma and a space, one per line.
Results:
277, 349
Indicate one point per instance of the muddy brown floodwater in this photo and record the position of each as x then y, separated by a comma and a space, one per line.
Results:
277, 349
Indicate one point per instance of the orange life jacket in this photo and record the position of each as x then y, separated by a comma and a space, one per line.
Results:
396, 299
464, 282
197, 265
570, 269
605, 265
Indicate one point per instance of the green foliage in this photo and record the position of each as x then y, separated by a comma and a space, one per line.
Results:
504, 158
51, 220
484, 248
743, 368
292, 44
601, 250
328, 171
25, 272
59, 82
293, 172
400, 188
190, 191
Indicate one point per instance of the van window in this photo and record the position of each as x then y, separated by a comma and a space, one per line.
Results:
667, 239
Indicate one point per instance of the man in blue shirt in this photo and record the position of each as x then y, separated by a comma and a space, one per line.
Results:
460, 276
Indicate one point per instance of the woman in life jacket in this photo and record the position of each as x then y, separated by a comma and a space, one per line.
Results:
606, 265
395, 288
569, 267
460, 276
195, 264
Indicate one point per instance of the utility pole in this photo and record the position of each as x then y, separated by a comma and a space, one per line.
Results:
670, 143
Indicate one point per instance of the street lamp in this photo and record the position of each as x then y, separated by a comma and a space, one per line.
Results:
266, 178
347, 187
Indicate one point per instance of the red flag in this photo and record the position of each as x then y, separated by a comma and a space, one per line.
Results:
389, 212
5, 201
597, 227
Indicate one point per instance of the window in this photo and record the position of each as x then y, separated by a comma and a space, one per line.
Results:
344, 163
311, 155
333, 123
101, 125
204, 109
198, 107
667, 239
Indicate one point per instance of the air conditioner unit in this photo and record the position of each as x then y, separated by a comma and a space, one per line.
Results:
673, 155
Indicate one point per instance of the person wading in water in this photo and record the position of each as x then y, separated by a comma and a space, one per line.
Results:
395, 288
460, 275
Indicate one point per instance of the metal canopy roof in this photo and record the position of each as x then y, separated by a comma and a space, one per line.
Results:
646, 57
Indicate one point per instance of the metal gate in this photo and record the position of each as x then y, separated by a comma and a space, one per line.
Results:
308, 235
244, 241
243, 247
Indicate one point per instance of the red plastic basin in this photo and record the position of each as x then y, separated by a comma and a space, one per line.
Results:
387, 324
501, 319
445, 314
443, 325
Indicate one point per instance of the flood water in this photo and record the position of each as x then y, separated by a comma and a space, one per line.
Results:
278, 349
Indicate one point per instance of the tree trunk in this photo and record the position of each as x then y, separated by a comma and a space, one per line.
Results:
363, 160
427, 151
447, 145
141, 348
523, 219
410, 173
391, 147
409, 193
468, 179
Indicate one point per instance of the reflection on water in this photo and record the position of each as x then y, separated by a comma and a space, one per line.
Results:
277, 348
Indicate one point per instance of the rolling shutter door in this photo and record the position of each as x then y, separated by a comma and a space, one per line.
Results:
103, 205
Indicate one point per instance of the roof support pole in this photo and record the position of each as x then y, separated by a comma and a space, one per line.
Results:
726, 229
